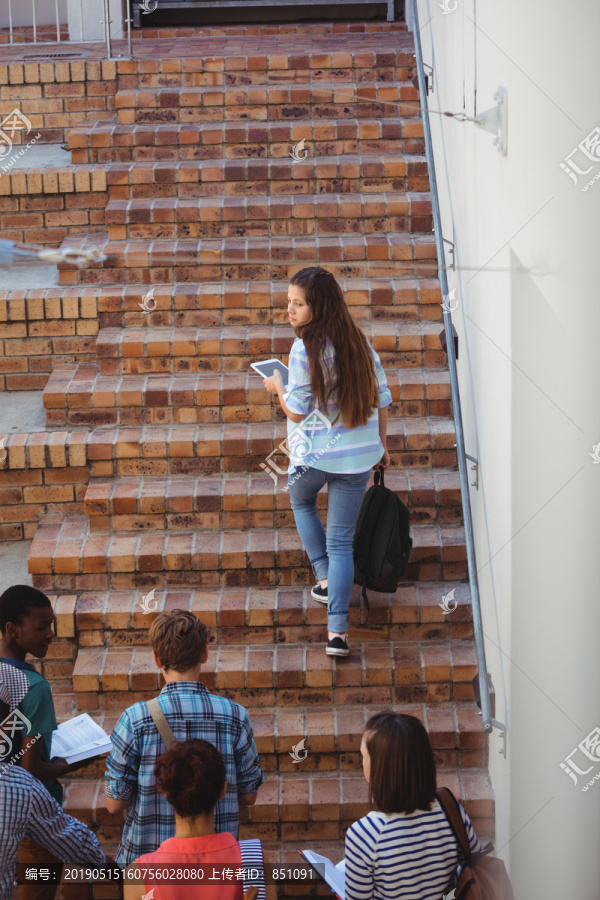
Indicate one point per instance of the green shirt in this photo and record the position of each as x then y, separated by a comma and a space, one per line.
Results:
37, 706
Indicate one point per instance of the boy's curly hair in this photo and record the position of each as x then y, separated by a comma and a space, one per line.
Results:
179, 639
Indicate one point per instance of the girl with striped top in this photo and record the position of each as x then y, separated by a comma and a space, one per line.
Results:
336, 407
191, 775
405, 848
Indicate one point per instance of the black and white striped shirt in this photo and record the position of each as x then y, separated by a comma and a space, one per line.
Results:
252, 859
394, 856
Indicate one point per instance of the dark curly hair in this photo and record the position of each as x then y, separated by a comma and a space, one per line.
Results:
191, 775
17, 602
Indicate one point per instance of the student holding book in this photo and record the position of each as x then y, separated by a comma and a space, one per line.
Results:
337, 387
191, 775
405, 848
27, 811
27, 626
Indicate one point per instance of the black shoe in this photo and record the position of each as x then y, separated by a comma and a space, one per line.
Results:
337, 647
319, 593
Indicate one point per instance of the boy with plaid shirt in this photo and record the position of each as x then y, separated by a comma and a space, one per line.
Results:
179, 646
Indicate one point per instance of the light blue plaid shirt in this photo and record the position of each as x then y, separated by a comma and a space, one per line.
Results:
317, 442
28, 811
192, 712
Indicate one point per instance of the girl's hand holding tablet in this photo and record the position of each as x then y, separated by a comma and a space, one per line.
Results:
274, 383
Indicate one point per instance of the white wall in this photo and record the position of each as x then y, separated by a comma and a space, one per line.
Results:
529, 376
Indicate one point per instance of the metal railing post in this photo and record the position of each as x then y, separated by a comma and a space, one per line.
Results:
10, 22
107, 29
128, 13
45, 37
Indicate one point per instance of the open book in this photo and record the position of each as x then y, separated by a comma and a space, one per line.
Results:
79, 738
333, 875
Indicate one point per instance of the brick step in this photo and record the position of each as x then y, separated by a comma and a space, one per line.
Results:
438, 671
65, 556
248, 501
349, 173
371, 31
312, 809
269, 615
73, 311
392, 67
163, 450
333, 735
260, 303
251, 259
41, 329
44, 204
298, 806
272, 102
263, 215
365, 174
102, 142
180, 349
392, 59
80, 395
164, 35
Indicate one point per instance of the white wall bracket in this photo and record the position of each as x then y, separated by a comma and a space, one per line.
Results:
494, 120
450, 251
475, 468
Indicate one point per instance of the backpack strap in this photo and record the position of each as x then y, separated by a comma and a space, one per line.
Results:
160, 721
449, 804
363, 594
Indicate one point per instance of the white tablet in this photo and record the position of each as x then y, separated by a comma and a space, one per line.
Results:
267, 367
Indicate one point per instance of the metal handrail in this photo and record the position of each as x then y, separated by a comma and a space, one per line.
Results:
106, 21
484, 688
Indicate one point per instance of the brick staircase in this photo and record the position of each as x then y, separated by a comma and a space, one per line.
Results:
204, 207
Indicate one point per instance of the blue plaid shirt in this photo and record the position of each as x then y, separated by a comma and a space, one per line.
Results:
28, 811
192, 712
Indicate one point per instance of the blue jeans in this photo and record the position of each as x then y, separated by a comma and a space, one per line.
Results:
330, 556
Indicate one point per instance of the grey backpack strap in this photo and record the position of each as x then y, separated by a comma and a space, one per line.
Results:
161, 723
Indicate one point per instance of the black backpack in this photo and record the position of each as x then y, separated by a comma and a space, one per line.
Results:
382, 541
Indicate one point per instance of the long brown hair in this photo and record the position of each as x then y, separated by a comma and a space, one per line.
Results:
403, 776
355, 382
